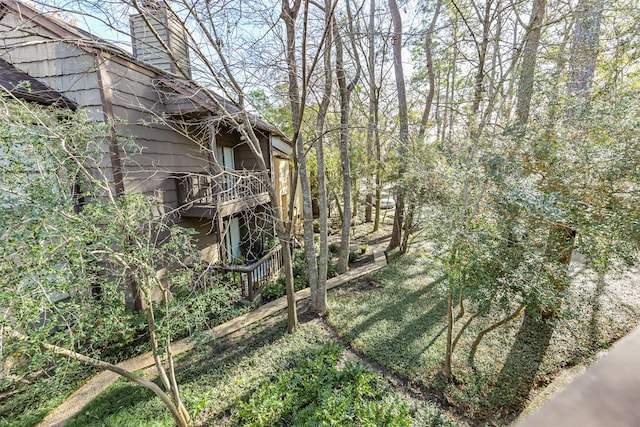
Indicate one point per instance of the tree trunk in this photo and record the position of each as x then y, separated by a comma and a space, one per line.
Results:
584, 52
482, 333
428, 48
396, 233
289, 16
447, 369
345, 101
408, 224
528, 66
371, 118
287, 261
343, 255
482, 58
582, 62
319, 303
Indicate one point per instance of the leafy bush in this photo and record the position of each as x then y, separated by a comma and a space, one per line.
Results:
331, 271
333, 248
299, 264
300, 282
317, 393
274, 290
353, 256
277, 289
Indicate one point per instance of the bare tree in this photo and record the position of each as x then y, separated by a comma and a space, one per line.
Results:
345, 89
403, 117
319, 297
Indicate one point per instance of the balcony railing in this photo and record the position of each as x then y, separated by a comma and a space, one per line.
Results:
225, 187
254, 276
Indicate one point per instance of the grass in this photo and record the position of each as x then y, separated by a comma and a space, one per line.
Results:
398, 319
219, 382
395, 318
32, 403
27, 405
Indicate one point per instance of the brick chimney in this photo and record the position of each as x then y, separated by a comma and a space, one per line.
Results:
146, 46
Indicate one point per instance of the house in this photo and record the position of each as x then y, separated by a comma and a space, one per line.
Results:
191, 159
25, 87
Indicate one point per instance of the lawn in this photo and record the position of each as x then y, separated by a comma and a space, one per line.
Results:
382, 368
27, 404
264, 377
397, 318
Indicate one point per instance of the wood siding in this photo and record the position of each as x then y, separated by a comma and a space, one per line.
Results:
148, 48
157, 151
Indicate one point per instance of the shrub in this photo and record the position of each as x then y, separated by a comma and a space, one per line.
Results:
278, 288
333, 248
331, 271
317, 393
273, 290
300, 283
353, 256
299, 264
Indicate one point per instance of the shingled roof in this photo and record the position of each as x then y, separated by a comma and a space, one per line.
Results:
86, 40
23, 86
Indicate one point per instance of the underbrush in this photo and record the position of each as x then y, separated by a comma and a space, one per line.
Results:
277, 288
397, 317
194, 310
263, 376
316, 392
27, 404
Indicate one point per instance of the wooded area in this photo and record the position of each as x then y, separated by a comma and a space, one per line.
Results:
503, 135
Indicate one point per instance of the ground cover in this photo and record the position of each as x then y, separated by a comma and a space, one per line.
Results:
265, 377
394, 323
27, 402
397, 317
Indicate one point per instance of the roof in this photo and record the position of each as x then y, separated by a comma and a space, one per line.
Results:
204, 101
86, 40
23, 86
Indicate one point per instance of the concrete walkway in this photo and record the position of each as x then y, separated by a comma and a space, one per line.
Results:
81, 397
606, 394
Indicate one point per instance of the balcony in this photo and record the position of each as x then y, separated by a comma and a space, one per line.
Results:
254, 276
201, 195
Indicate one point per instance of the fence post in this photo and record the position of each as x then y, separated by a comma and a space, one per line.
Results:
250, 285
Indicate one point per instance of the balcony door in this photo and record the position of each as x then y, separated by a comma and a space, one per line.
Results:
232, 238
227, 163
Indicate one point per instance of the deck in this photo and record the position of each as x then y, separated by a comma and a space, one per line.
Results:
228, 192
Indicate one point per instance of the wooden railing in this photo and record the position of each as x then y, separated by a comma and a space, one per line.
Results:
254, 276
227, 186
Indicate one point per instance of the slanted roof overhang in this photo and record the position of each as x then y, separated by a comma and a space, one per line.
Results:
23, 86
197, 98
184, 98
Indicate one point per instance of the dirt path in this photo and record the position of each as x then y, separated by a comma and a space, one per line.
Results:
404, 387
81, 397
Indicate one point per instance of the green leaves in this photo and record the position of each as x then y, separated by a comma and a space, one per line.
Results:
317, 393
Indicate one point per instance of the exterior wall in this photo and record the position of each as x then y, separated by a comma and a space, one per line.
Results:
161, 151
106, 86
147, 47
62, 66
158, 152
206, 240
283, 185
243, 156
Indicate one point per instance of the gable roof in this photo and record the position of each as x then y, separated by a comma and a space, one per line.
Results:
202, 102
23, 86
88, 41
